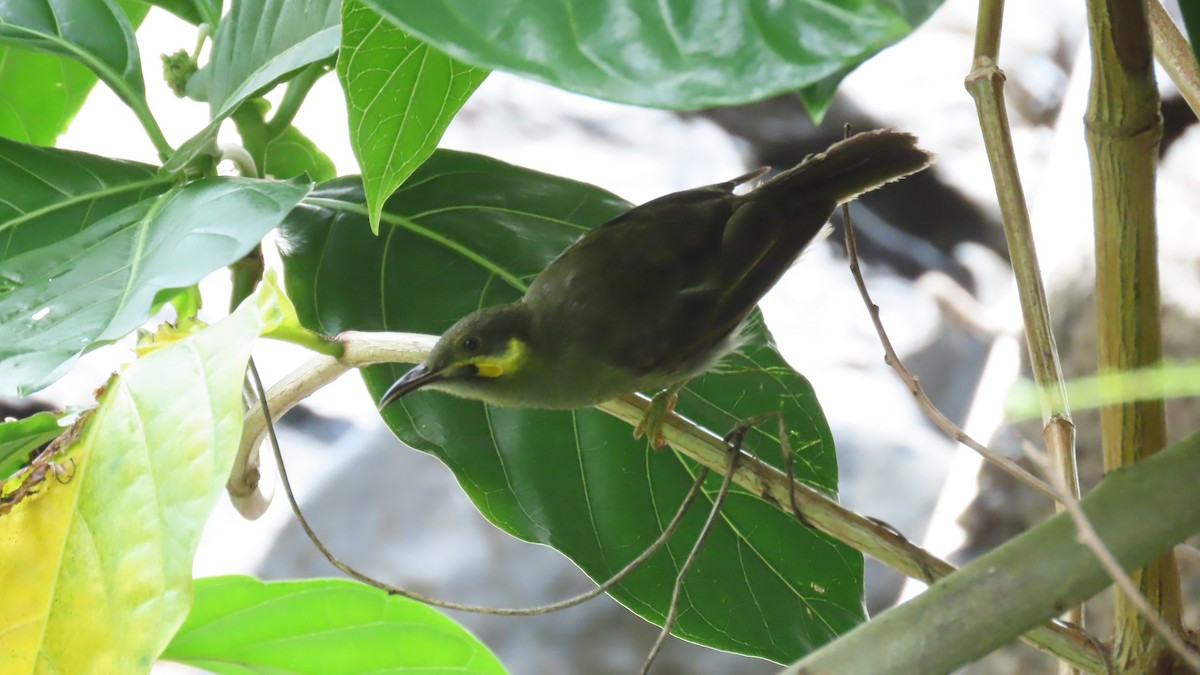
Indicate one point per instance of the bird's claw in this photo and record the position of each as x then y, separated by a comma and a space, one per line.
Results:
654, 419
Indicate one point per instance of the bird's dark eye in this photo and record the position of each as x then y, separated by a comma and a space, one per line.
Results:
470, 344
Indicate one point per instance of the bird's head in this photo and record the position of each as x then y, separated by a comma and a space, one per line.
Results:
483, 349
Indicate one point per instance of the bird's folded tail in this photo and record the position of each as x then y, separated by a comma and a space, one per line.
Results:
853, 166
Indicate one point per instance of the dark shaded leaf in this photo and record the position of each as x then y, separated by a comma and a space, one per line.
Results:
1191, 22
20, 437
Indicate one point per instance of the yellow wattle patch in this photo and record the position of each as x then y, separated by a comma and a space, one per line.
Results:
496, 366
488, 369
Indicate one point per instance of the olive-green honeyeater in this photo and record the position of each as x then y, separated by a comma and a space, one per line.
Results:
655, 296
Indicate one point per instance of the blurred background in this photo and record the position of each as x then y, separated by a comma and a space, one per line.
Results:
934, 258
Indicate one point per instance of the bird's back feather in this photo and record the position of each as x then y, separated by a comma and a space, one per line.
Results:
681, 273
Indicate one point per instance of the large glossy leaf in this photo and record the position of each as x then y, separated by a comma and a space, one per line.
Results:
72, 276
97, 33
96, 564
258, 43
240, 625
677, 54
466, 231
401, 94
41, 92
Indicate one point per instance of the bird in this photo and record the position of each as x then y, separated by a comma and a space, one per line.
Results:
658, 295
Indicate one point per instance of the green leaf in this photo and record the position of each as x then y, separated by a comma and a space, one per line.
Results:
467, 231
96, 564
47, 195
40, 93
240, 625
676, 54
259, 43
98, 34
194, 12
187, 302
20, 437
401, 94
73, 276
286, 155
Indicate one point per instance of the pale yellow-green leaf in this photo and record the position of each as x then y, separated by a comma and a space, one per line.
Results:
95, 570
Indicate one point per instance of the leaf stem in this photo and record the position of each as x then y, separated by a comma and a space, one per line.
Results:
305, 338
293, 98
142, 110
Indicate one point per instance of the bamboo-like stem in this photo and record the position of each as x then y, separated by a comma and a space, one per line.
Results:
1138, 513
859, 532
1124, 128
986, 85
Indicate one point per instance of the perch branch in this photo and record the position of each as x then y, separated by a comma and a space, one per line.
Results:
768, 483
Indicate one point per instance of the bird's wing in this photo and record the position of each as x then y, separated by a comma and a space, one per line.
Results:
641, 289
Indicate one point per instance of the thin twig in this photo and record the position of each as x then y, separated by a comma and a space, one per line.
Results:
654, 547
935, 415
986, 86
673, 608
1087, 535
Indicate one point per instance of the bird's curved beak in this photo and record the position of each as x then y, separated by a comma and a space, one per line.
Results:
414, 379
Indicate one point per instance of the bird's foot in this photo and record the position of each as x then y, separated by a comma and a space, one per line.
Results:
655, 417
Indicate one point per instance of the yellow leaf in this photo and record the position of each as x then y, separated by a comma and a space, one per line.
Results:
95, 570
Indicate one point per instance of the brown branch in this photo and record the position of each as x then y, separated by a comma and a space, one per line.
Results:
935, 415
